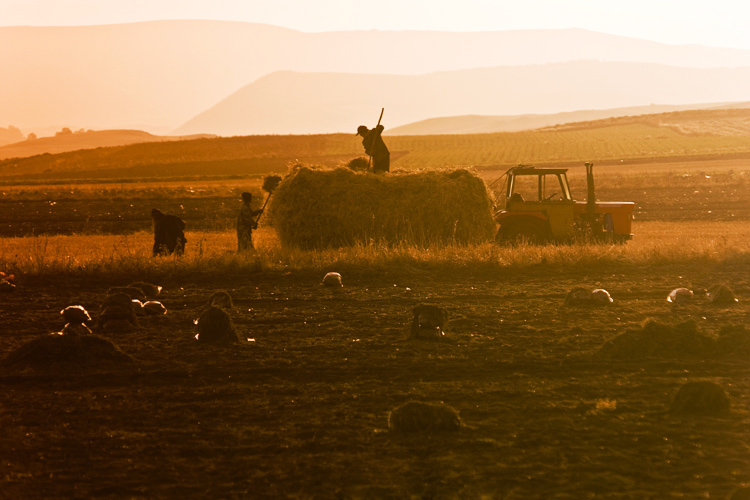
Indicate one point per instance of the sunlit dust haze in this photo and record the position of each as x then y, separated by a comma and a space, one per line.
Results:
294, 66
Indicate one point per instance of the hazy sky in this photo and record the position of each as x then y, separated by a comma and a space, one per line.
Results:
720, 23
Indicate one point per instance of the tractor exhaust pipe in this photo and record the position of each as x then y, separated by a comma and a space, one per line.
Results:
591, 199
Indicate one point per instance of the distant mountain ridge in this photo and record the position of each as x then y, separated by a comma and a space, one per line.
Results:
299, 103
158, 75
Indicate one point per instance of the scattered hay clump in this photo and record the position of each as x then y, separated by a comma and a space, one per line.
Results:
680, 296
315, 209
359, 164
154, 308
701, 398
332, 279
428, 322
75, 314
118, 313
55, 351
658, 341
721, 295
149, 290
581, 297
215, 326
416, 417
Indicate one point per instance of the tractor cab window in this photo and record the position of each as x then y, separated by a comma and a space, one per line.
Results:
538, 187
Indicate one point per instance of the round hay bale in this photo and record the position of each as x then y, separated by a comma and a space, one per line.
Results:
701, 398
600, 296
721, 295
416, 417
332, 279
154, 308
215, 327
656, 340
222, 300
680, 296
150, 291
359, 164
335, 208
131, 291
75, 314
6, 286
56, 351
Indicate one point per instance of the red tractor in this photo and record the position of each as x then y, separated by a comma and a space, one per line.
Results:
540, 209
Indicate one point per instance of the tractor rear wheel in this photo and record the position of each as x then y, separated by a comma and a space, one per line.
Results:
530, 232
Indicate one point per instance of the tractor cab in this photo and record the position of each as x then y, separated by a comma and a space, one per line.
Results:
539, 208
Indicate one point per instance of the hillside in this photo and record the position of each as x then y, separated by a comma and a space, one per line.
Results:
477, 124
155, 76
684, 135
85, 140
299, 103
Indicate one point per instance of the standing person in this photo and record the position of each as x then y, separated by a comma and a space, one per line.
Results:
375, 147
246, 223
169, 233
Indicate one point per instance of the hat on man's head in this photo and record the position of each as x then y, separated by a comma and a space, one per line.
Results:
246, 197
362, 130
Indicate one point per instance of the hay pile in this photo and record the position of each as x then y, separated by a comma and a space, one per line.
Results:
659, 341
55, 351
428, 322
721, 295
335, 208
422, 417
215, 324
701, 398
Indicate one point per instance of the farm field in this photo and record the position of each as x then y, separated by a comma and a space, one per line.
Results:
301, 408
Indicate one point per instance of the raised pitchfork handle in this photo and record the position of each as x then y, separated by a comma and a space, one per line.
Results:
255, 224
369, 162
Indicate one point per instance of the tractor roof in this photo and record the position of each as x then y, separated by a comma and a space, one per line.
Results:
530, 170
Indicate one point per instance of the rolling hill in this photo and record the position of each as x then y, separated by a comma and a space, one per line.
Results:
299, 103
157, 75
717, 134
85, 140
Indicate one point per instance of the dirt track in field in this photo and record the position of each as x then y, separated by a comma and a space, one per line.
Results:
302, 410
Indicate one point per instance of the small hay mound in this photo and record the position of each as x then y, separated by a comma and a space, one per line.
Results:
721, 295
150, 291
222, 300
680, 296
75, 314
154, 308
118, 313
6, 286
423, 418
336, 208
332, 279
76, 329
659, 341
138, 307
56, 351
359, 164
701, 398
215, 327
132, 292
581, 297
428, 322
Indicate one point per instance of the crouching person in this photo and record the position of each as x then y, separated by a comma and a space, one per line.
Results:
169, 234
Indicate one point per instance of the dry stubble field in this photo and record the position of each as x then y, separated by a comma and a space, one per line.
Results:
301, 410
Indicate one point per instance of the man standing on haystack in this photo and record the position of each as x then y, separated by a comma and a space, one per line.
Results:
246, 223
375, 147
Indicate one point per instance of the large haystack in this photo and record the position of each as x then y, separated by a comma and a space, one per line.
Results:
55, 351
659, 341
335, 208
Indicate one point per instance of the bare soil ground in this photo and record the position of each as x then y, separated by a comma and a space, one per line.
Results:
301, 410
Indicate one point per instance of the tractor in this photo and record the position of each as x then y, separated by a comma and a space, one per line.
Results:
540, 209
